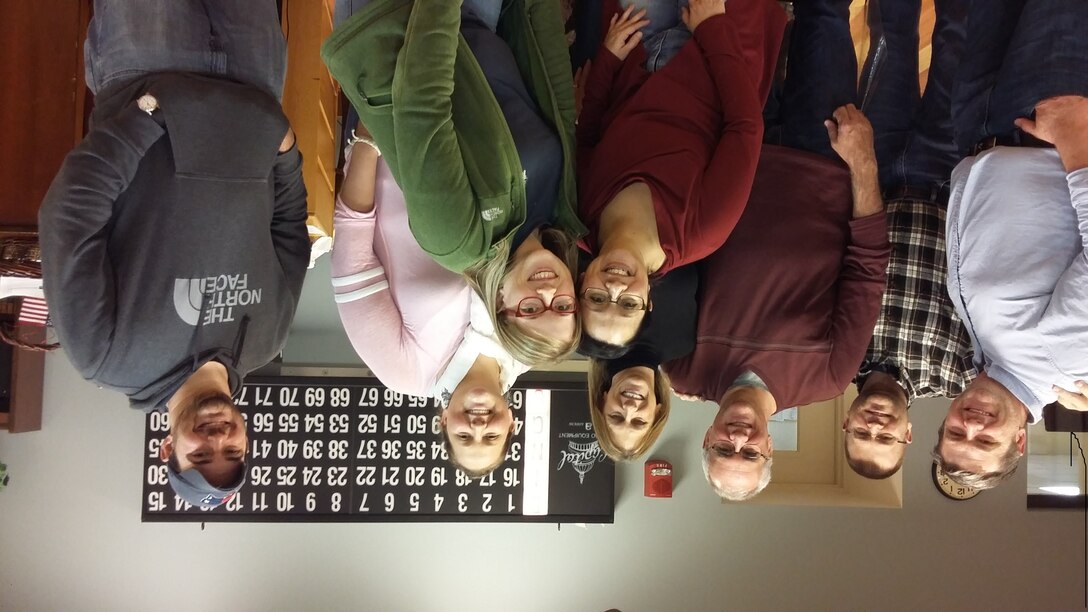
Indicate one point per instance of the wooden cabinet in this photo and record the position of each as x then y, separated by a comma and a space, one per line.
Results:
42, 94
311, 101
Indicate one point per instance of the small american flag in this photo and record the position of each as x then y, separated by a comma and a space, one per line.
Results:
34, 312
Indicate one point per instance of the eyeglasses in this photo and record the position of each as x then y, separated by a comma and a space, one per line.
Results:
727, 449
626, 301
533, 307
864, 435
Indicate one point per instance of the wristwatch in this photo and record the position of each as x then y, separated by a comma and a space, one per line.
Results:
150, 105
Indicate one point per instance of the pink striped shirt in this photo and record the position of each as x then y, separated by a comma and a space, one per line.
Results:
404, 314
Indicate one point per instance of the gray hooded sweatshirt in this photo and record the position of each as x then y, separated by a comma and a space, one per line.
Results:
173, 240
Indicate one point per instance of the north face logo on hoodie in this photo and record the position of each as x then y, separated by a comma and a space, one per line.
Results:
223, 294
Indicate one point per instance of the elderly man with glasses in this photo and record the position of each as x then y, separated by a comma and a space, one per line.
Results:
788, 303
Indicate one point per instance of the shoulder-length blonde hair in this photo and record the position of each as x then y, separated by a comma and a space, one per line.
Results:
486, 278
598, 383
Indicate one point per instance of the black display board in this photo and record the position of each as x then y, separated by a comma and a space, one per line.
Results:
350, 450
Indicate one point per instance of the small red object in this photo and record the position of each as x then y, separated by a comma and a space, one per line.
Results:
658, 478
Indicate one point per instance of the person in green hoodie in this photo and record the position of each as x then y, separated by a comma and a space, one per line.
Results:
473, 111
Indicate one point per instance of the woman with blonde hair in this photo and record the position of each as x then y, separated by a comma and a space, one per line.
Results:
473, 109
629, 391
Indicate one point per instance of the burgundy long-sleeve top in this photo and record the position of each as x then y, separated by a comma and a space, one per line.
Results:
691, 131
794, 294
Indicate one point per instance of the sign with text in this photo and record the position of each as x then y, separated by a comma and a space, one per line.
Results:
350, 450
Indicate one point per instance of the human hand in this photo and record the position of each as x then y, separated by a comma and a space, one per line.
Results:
1077, 400
288, 141
1063, 122
581, 77
698, 11
624, 32
851, 137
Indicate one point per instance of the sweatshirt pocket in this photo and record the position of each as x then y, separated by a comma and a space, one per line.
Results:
220, 130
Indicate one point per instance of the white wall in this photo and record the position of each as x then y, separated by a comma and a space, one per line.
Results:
71, 539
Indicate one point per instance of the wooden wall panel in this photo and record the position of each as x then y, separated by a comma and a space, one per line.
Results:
41, 92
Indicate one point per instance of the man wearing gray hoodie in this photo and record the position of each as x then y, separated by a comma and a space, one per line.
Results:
174, 240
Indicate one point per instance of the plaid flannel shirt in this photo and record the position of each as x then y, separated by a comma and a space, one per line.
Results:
919, 339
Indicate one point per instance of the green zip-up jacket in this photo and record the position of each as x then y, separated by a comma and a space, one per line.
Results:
422, 95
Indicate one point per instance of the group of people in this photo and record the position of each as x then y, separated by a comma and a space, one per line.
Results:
711, 206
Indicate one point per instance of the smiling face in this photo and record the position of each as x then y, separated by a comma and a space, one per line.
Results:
740, 430
477, 423
210, 436
539, 274
983, 426
630, 407
877, 431
626, 281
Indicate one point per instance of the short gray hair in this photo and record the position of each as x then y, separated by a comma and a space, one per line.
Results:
981, 481
737, 495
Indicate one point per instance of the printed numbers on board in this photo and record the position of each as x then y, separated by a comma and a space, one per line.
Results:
365, 475
368, 398
510, 478
368, 424
315, 397
288, 422
417, 424
416, 450
289, 397
340, 397
367, 449
160, 422
315, 423
414, 477
260, 475
392, 399
341, 448
312, 449
338, 450
339, 423
263, 423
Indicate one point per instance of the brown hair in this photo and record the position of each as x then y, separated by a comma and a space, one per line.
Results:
871, 469
474, 474
486, 278
980, 481
598, 383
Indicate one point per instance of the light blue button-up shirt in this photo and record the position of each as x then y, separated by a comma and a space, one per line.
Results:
1018, 269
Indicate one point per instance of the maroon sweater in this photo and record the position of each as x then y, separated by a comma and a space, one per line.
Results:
691, 131
795, 292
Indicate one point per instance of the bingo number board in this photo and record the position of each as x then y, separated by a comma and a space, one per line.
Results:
350, 450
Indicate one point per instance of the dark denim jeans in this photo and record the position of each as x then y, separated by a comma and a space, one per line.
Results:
1021, 53
666, 34
236, 39
821, 76
914, 137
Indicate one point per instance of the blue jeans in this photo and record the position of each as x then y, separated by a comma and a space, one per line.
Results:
915, 146
666, 33
821, 77
1021, 54
237, 39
